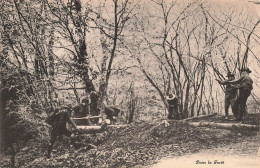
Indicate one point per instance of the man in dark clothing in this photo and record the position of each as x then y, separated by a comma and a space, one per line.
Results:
245, 85
36, 108
60, 119
111, 112
173, 106
82, 109
94, 110
230, 96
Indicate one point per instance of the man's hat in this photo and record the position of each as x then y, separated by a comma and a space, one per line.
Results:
170, 97
68, 107
230, 74
85, 99
246, 69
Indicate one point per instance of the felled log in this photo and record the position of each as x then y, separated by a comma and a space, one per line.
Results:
188, 119
97, 128
199, 117
91, 129
116, 126
84, 120
88, 117
224, 125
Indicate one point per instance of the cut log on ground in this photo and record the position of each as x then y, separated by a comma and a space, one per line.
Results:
82, 121
224, 125
91, 129
199, 117
97, 128
84, 118
196, 117
116, 126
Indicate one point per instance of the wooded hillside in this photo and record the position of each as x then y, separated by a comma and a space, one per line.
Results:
132, 52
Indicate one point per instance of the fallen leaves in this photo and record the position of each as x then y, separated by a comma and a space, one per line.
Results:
137, 144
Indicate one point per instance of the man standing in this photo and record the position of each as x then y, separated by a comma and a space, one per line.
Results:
82, 109
173, 106
93, 104
245, 85
60, 119
230, 96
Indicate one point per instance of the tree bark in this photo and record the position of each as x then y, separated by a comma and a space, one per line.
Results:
13, 154
132, 104
185, 113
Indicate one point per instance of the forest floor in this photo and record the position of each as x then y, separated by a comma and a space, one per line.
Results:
149, 144
252, 119
243, 154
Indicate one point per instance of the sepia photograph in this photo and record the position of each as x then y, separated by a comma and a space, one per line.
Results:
130, 83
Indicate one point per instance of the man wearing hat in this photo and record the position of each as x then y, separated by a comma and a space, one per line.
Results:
61, 117
173, 106
245, 85
82, 109
93, 106
230, 95
111, 113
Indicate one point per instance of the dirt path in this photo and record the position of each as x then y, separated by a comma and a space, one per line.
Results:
239, 155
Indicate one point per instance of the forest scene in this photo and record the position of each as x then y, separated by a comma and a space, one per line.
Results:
129, 83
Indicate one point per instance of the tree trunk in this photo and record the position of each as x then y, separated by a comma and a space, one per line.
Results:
82, 55
202, 86
13, 154
132, 104
186, 102
84, 70
50, 53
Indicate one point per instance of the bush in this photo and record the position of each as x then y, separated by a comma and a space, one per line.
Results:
22, 119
